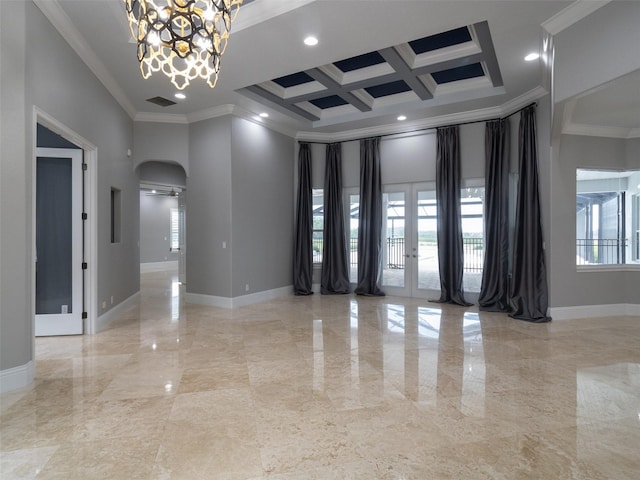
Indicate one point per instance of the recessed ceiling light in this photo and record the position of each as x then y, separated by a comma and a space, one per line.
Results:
311, 41
153, 191
181, 96
264, 114
532, 56
402, 117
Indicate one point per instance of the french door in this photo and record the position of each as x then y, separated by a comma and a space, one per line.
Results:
59, 285
410, 249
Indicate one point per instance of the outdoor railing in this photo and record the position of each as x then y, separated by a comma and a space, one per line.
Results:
395, 252
600, 251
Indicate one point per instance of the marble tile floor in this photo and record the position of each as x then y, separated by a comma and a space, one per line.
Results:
327, 387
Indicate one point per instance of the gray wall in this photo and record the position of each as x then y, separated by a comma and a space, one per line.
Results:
599, 48
53, 78
262, 208
570, 286
209, 208
161, 142
155, 228
240, 194
16, 340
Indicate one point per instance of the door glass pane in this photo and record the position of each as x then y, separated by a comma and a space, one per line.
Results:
318, 224
53, 236
428, 273
354, 215
393, 239
472, 209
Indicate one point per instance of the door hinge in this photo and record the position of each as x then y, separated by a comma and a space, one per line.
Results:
84, 265
84, 216
84, 166
84, 315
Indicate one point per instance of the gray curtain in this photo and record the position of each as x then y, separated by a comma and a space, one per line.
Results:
494, 292
302, 247
528, 296
450, 248
370, 224
335, 265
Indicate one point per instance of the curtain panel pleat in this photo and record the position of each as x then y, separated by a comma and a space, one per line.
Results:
303, 245
335, 265
494, 292
370, 219
449, 223
528, 297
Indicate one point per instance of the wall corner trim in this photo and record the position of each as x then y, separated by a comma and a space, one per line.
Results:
241, 301
594, 311
17, 377
105, 319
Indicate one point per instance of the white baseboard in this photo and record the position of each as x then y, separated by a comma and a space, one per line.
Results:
105, 319
241, 301
592, 311
17, 377
158, 266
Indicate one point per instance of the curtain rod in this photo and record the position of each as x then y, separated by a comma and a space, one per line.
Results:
426, 128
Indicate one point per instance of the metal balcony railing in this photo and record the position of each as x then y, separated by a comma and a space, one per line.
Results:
395, 252
600, 251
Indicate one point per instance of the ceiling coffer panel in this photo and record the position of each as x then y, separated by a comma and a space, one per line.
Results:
457, 57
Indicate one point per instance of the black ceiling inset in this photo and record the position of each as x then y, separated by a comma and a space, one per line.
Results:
459, 73
329, 102
386, 89
293, 80
440, 40
361, 61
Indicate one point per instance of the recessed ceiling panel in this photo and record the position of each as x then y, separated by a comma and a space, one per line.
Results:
459, 73
387, 89
361, 61
293, 80
328, 102
440, 40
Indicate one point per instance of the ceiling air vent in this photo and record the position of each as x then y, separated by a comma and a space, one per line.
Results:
163, 102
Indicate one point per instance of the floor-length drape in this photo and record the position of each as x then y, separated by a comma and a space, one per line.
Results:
494, 292
528, 296
302, 246
335, 264
370, 221
450, 248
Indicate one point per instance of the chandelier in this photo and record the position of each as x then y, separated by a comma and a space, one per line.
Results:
184, 39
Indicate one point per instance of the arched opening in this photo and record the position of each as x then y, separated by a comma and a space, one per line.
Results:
163, 210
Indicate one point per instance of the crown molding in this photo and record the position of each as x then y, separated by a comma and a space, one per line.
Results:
600, 131
504, 110
258, 12
213, 112
263, 122
572, 14
523, 100
161, 117
62, 23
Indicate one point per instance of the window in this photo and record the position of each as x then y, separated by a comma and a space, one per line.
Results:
472, 212
318, 224
175, 229
607, 217
353, 207
115, 207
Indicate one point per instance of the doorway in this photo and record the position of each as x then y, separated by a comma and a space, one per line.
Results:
85, 302
410, 248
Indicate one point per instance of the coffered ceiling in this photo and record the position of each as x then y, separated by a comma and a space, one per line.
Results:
375, 60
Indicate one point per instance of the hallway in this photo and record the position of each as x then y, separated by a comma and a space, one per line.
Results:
327, 387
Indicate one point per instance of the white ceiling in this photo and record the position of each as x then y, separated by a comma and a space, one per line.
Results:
266, 43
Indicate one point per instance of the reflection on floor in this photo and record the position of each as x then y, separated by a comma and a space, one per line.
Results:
328, 388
